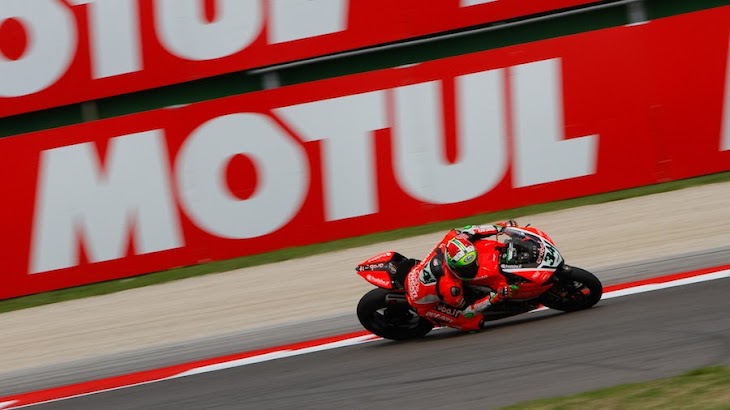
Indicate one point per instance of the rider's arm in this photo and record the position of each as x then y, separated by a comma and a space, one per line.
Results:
476, 232
478, 306
484, 303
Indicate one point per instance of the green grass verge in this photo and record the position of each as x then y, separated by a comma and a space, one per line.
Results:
292, 253
707, 388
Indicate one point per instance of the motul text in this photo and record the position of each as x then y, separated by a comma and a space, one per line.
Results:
55, 52
443, 139
80, 200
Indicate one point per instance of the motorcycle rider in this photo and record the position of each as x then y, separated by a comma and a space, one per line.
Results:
435, 286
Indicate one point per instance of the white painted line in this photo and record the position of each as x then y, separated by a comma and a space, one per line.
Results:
369, 338
289, 352
276, 355
658, 286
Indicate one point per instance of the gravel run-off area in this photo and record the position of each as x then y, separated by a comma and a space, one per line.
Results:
592, 237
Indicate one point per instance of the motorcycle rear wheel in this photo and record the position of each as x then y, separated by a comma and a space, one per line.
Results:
576, 289
395, 322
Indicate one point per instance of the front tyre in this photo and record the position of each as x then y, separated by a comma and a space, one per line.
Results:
396, 322
574, 289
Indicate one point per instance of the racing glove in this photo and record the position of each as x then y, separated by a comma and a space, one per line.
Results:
505, 292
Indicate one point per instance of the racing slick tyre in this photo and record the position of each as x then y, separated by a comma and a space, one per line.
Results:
398, 321
574, 289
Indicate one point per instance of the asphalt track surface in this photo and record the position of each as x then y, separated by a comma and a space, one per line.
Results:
627, 339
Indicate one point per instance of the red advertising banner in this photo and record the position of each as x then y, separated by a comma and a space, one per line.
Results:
56, 52
538, 122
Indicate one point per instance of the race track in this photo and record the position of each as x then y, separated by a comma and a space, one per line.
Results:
544, 354
629, 338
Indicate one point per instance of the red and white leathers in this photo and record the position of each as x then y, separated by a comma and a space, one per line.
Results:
437, 293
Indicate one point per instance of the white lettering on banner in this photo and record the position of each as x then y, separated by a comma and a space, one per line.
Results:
297, 19
114, 36
725, 132
76, 197
281, 165
183, 29
50, 46
420, 161
116, 41
78, 201
345, 126
467, 3
542, 152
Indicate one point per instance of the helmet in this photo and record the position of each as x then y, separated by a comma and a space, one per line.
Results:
461, 258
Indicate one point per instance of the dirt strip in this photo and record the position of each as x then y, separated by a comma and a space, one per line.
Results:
592, 237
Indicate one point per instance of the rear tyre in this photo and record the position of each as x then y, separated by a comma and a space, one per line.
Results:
396, 322
575, 289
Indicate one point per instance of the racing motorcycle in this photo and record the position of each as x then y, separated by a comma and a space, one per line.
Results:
534, 264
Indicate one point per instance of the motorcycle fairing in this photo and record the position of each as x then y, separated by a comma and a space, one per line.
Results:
531, 275
380, 279
386, 270
531, 252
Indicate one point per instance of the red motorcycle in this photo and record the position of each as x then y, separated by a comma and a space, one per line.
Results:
535, 265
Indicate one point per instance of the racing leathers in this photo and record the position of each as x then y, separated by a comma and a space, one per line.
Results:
438, 295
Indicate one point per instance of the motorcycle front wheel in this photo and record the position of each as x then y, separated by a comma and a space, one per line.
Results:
390, 321
574, 289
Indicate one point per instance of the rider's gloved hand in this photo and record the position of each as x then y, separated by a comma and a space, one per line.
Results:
505, 292
509, 291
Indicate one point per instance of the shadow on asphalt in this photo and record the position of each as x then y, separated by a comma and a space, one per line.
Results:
446, 333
